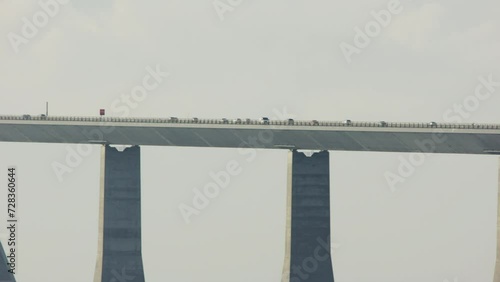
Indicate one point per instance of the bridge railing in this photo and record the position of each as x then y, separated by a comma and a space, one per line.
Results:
253, 122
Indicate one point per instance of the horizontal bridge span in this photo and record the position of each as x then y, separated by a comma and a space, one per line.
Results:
243, 122
356, 136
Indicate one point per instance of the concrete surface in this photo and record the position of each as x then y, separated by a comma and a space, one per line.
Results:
119, 255
5, 275
396, 137
308, 248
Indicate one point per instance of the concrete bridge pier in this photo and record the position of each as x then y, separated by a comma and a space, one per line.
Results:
308, 248
119, 253
5, 275
496, 277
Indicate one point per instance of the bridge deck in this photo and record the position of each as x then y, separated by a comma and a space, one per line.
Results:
358, 136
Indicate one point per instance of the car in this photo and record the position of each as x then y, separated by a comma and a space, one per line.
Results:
248, 121
432, 124
174, 119
290, 121
237, 121
382, 123
315, 122
43, 116
195, 120
347, 122
26, 117
224, 120
264, 120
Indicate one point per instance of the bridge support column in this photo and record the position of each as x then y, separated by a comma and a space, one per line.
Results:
307, 250
5, 275
496, 277
119, 254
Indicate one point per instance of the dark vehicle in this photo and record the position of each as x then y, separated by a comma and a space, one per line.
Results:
264, 120
432, 124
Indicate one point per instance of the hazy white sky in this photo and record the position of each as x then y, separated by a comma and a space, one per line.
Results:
256, 58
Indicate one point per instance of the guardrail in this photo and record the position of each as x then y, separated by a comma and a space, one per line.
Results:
255, 122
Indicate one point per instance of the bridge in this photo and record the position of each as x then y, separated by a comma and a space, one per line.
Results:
308, 204
313, 135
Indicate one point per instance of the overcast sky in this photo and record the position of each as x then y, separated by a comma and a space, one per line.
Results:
252, 59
